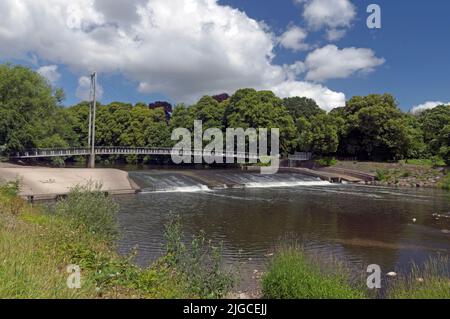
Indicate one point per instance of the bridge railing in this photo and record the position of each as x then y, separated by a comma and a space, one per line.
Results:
300, 157
122, 150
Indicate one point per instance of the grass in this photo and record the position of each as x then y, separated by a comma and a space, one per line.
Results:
294, 275
291, 275
432, 281
37, 246
430, 162
326, 161
445, 182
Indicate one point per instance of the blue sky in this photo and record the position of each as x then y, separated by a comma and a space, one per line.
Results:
408, 56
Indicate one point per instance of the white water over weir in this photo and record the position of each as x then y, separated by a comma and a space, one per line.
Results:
206, 181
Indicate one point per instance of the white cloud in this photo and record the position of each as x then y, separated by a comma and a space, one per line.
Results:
426, 106
328, 13
335, 16
50, 73
323, 96
180, 48
335, 34
84, 89
294, 38
330, 62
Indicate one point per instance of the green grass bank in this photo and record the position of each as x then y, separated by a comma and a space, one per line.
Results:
37, 244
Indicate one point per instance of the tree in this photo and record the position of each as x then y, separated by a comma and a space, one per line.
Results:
320, 135
249, 108
180, 117
302, 107
444, 141
209, 111
433, 123
376, 129
29, 110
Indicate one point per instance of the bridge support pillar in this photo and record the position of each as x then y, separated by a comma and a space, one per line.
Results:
91, 161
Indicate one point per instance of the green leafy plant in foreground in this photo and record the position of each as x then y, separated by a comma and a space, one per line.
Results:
200, 264
292, 275
86, 206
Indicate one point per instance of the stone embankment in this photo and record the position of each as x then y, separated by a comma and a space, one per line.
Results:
39, 183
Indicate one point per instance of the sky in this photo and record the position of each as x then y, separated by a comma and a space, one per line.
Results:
179, 50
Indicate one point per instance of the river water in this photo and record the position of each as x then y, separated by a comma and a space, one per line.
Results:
251, 213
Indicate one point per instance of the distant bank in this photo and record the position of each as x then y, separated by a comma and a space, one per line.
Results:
41, 183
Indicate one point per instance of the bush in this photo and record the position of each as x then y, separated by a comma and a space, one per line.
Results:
9, 201
10, 189
382, 175
292, 276
445, 182
88, 207
200, 264
327, 161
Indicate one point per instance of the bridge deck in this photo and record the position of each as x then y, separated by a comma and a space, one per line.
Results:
69, 152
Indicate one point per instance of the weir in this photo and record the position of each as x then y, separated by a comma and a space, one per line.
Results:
202, 181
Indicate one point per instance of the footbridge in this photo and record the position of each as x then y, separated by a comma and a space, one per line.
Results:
115, 150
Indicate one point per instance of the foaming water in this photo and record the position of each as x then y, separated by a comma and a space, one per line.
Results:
182, 189
287, 184
164, 182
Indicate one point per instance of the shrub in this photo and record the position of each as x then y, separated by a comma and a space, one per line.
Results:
445, 182
327, 161
88, 207
9, 201
10, 189
382, 175
292, 276
200, 265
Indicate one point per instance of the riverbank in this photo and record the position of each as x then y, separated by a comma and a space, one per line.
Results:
401, 174
41, 246
41, 183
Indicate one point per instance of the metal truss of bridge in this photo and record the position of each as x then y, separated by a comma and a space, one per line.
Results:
69, 152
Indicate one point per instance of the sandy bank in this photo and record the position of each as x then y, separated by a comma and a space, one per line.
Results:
45, 183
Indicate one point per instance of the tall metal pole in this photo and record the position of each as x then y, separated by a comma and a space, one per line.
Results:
94, 109
90, 116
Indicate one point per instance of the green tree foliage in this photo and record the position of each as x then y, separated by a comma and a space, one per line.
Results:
320, 135
444, 141
302, 107
249, 108
435, 126
30, 114
376, 129
210, 112
120, 124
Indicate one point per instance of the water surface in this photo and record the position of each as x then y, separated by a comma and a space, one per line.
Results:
361, 225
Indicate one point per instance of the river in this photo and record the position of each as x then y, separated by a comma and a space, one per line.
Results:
251, 213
